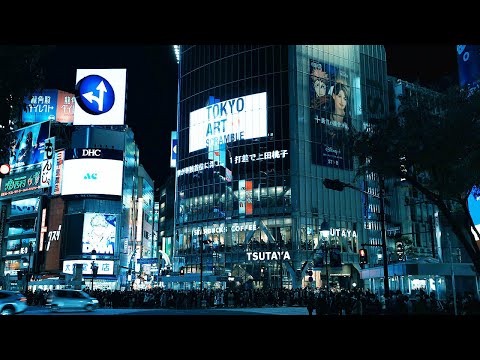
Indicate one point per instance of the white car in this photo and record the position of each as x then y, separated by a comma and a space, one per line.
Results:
12, 302
71, 299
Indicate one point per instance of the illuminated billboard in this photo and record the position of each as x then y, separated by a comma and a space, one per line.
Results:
92, 171
330, 115
228, 121
105, 267
474, 208
49, 105
58, 171
27, 145
100, 97
24, 206
99, 231
20, 183
47, 164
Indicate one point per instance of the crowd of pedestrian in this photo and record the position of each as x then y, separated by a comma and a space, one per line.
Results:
316, 301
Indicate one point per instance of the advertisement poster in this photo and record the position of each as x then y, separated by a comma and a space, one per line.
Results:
27, 144
49, 105
99, 231
330, 115
474, 209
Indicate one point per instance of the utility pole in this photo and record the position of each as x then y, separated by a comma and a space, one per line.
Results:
337, 185
386, 285
453, 276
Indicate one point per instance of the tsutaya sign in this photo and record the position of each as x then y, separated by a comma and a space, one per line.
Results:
267, 255
343, 232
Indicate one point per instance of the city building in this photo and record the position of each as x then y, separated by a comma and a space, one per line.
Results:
77, 208
259, 128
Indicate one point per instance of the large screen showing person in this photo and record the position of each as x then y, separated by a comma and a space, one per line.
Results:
27, 145
330, 115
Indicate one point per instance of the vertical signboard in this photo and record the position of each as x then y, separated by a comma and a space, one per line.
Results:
173, 150
53, 241
47, 164
241, 197
57, 180
248, 197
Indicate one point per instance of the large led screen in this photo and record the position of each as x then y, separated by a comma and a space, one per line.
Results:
49, 105
228, 121
474, 209
99, 232
92, 176
330, 115
27, 145
100, 97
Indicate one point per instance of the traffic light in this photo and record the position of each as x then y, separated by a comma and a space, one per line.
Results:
334, 184
182, 271
363, 256
310, 275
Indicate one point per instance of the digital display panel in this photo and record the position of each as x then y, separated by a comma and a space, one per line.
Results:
99, 231
330, 115
27, 145
228, 121
92, 176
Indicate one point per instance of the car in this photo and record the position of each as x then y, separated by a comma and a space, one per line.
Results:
12, 302
70, 299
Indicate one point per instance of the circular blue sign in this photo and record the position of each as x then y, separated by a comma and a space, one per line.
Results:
95, 95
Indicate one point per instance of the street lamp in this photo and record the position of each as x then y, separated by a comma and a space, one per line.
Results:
94, 265
325, 232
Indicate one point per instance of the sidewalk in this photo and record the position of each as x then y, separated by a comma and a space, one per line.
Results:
292, 310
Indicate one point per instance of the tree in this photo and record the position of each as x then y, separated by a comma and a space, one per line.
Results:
440, 151
22, 72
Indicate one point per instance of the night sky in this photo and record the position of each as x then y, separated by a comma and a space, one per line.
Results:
152, 84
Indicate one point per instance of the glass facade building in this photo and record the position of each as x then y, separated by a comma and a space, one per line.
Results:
259, 128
